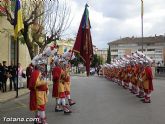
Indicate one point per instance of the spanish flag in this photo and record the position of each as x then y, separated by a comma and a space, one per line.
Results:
18, 20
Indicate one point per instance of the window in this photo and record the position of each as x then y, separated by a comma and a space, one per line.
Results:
141, 50
150, 49
158, 51
65, 49
114, 50
149, 44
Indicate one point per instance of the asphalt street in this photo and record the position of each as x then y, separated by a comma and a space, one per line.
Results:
99, 101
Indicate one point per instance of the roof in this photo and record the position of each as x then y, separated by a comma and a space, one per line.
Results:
127, 40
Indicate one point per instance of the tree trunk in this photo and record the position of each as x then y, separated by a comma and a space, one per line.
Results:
28, 42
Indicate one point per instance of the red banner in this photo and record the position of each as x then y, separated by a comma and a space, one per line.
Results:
83, 44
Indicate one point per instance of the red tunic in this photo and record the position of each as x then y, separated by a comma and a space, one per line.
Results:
29, 71
56, 77
33, 99
149, 75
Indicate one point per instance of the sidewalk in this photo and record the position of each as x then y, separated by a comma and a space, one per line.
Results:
4, 97
10, 95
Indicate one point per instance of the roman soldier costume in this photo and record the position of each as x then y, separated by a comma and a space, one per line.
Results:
38, 95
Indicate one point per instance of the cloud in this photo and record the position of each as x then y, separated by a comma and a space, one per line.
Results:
112, 19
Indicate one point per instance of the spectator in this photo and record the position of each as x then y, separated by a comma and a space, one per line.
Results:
29, 70
158, 69
98, 69
158, 64
1, 67
12, 75
20, 72
162, 63
4, 76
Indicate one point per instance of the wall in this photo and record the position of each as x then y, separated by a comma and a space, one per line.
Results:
5, 44
6, 30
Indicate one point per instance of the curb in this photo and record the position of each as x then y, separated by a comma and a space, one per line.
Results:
2, 101
13, 97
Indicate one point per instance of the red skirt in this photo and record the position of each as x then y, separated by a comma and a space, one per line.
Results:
55, 90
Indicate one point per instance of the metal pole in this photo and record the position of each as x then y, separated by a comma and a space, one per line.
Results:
142, 22
17, 66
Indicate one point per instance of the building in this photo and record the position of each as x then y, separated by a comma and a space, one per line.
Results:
65, 45
154, 47
8, 47
102, 53
94, 49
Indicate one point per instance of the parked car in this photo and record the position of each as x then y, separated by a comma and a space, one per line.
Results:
92, 71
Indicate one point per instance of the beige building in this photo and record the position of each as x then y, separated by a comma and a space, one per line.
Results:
8, 47
153, 47
65, 45
102, 53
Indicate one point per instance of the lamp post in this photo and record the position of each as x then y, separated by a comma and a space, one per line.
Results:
142, 23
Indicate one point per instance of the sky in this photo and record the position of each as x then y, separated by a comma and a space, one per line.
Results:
115, 19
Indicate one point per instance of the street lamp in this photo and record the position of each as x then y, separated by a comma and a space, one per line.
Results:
142, 22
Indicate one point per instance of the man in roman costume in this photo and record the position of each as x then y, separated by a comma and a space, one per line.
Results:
147, 82
59, 88
140, 89
38, 95
133, 79
67, 84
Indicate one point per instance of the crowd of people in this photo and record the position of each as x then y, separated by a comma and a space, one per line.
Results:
133, 73
10, 72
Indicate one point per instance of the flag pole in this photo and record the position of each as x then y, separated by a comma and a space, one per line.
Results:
18, 26
17, 66
142, 7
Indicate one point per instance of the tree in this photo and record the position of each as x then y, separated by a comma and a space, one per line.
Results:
100, 60
95, 61
36, 14
109, 55
77, 60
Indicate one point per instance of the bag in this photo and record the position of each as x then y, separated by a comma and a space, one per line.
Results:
23, 75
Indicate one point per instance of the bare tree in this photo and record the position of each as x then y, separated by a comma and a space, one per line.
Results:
42, 18
58, 20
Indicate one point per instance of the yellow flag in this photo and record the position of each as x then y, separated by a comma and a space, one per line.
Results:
18, 20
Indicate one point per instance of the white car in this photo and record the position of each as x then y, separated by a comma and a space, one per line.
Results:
92, 71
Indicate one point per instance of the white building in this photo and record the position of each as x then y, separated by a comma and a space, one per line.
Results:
153, 47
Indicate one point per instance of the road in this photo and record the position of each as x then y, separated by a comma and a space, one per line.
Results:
99, 101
